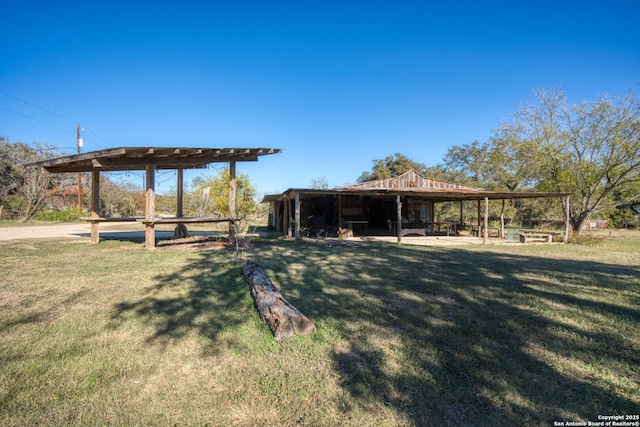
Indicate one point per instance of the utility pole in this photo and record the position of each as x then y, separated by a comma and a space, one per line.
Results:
79, 144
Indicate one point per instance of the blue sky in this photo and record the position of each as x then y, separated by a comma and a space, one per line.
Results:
334, 84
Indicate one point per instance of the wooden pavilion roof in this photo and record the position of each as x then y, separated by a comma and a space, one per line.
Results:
138, 158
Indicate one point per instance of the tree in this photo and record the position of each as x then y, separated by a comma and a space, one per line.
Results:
470, 162
589, 149
211, 195
390, 167
320, 182
24, 189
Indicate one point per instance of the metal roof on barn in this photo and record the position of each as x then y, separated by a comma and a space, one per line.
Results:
410, 179
413, 184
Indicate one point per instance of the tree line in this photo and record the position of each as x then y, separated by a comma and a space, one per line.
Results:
590, 149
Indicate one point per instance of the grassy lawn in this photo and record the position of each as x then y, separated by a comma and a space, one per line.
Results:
111, 334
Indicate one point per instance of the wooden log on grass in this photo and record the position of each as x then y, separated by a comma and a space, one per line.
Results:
283, 319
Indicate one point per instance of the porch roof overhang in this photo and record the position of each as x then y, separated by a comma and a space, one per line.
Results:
138, 158
436, 195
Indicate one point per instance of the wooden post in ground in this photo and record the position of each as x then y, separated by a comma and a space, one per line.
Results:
339, 210
567, 221
150, 207
278, 226
297, 216
287, 217
485, 232
399, 218
232, 200
181, 229
479, 223
95, 205
502, 221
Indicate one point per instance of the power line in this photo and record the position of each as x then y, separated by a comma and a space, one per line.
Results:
38, 120
39, 108
52, 113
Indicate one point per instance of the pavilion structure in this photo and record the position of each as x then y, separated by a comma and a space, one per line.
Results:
151, 159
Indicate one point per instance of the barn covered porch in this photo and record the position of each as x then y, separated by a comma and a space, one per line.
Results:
400, 206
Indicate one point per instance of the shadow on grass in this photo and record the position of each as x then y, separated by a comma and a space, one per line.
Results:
457, 337
204, 297
443, 336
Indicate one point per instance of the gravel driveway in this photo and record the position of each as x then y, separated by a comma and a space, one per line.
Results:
44, 231
83, 231
77, 231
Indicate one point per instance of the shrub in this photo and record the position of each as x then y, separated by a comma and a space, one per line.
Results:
67, 215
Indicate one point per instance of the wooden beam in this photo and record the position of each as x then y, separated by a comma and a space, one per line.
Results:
150, 208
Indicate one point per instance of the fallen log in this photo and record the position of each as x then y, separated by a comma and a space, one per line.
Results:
283, 319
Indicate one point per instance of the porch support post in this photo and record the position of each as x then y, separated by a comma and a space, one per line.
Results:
95, 205
461, 217
502, 220
567, 221
339, 210
399, 217
479, 226
297, 216
485, 232
278, 227
232, 200
150, 208
287, 217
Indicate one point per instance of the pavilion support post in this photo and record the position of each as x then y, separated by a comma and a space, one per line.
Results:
399, 217
232, 200
95, 205
502, 220
485, 231
150, 208
567, 219
461, 217
297, 216
180, 193
181, 229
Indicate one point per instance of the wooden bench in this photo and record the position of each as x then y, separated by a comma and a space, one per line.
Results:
536, 237
113, 219
185, 220
179, 232
413, 228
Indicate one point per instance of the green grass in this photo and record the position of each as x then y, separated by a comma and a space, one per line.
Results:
111, 334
